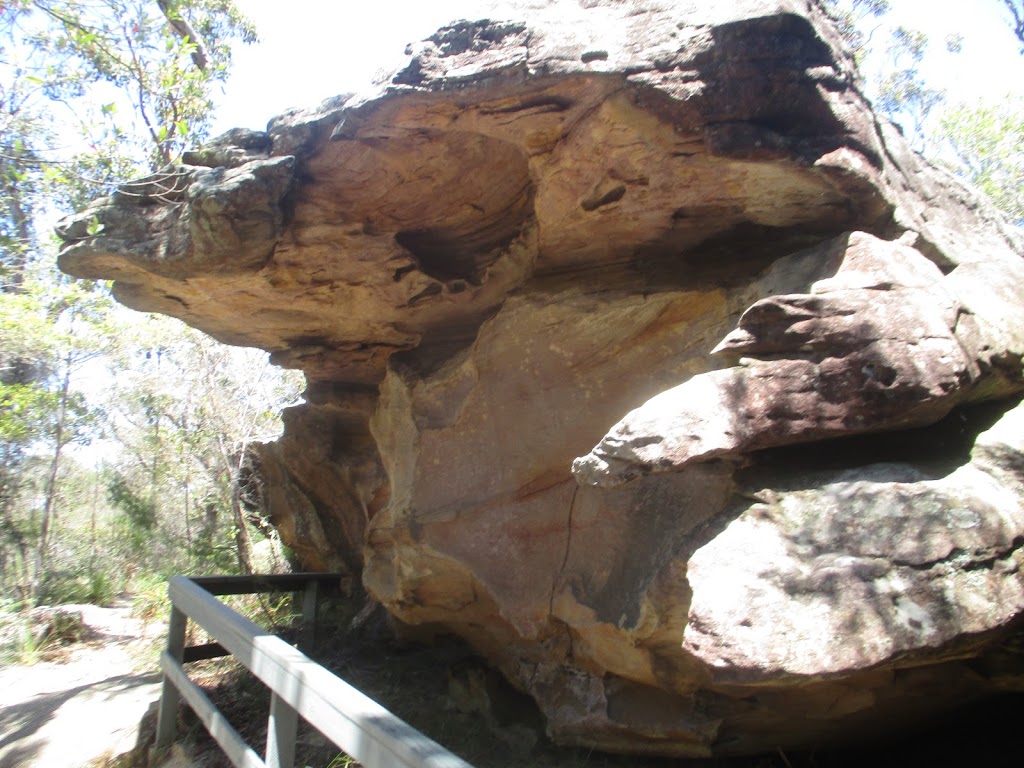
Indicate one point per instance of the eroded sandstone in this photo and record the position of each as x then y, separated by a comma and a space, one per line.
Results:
669, 243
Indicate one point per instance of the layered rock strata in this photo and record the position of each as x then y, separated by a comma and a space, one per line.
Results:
641, 355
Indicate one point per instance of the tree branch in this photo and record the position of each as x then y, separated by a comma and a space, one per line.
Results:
1016, 8
185, 31
140, 78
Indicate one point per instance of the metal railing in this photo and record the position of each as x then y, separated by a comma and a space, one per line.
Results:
355, 723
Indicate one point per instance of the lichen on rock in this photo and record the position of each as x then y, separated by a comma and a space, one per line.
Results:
641, 355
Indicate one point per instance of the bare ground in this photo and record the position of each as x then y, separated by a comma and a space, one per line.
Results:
83, 708
88, 709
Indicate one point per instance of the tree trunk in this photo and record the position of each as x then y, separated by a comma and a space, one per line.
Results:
19, 219
188, 502
49, 501
185, 31
243, 544
187, 461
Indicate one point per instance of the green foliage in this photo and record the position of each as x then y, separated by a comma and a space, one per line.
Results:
897, 85
23, 410
980, 143
139, 512
854, 18
212, 553
341, 760
271, 610
186, 409
134, 526
149, 598
985, 142
27, 637
50, 332
163, 57
91, 93
903, 92
62, 587
25, 646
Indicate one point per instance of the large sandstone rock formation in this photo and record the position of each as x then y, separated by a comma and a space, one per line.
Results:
641, 355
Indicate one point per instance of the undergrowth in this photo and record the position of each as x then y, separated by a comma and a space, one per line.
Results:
28, 637
63, 588
22, 646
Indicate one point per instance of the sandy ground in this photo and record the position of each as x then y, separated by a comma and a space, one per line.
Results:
86, 706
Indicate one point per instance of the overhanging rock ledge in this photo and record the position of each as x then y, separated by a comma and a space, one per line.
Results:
641, 354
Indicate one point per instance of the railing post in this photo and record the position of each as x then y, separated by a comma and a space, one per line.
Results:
307, 636
166, 723
282, 726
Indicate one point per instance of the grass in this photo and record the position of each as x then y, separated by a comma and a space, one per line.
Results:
341, 760
96, 588
30, 649
272, 611
28, 638
149, 599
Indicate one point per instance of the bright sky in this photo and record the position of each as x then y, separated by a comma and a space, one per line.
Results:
311, 50
989, 66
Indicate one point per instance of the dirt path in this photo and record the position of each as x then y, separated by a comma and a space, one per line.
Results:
87, 706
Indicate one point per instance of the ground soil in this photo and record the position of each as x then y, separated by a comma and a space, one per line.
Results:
81, 705
94, 706
426, 685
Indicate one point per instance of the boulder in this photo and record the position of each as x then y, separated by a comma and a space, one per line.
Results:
640, 354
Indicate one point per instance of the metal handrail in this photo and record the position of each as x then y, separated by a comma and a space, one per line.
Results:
355, 723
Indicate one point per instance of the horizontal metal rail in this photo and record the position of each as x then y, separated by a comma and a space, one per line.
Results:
234, 746
299, 686
247, 585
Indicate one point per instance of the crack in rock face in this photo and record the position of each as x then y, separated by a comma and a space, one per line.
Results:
641, 355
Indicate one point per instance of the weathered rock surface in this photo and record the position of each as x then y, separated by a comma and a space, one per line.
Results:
641, 355
881, 344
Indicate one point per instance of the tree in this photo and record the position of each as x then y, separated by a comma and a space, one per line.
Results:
903, 93
50, 332
127, 83
897, 86
986, 141
90, 93
979, 142
856, 21
187, 410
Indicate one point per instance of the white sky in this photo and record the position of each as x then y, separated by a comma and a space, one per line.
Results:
311, 49
989, 66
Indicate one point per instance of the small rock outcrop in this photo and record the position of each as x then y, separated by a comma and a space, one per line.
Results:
641, 355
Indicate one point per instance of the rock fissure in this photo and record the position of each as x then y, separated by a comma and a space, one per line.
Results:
565, 557
964, 559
